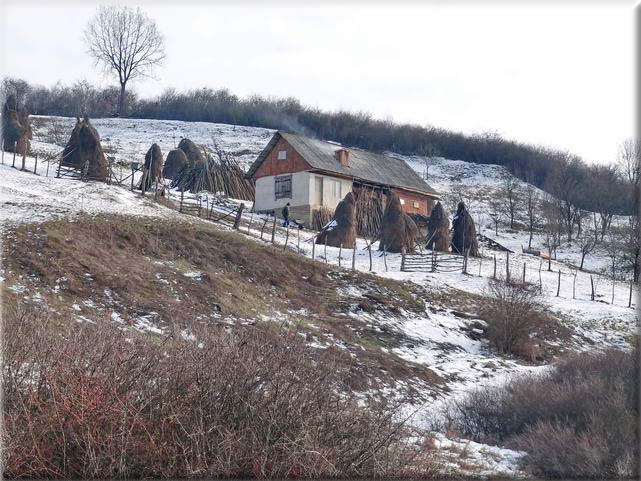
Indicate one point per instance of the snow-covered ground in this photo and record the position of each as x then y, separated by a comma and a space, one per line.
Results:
438, 339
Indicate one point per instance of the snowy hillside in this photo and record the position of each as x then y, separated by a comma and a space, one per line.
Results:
444, 337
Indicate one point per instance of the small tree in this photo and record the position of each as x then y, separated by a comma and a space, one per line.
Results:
511, 192
512, 311
531, 202
587, 243
124, 41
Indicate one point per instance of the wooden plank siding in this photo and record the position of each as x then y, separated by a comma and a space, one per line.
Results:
272, 166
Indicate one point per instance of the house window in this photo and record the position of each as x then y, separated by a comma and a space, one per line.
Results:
283, 186
402, 201
416, 204
282, 155
336, 188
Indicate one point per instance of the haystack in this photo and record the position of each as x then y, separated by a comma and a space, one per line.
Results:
153, 168
342, 229
398, 230
16, 128
464, 236
192, 151
84, 152
175, 163
218, 172
438, 229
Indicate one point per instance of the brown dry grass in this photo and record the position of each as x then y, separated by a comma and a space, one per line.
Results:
137, 267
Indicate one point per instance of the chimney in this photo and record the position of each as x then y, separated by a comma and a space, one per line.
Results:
342, 155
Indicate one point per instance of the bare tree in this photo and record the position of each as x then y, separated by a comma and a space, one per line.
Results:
124, 41
510, 191
587, 243
630, 161
531, 202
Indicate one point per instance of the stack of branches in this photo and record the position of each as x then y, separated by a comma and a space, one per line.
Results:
398, 231
321, 217
153, 168
84, 152
16, 127
464, 236
341, 231
369, 211
212, 170
438, 229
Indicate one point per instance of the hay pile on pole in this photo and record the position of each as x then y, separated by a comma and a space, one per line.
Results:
341, 231
398, 230
16, 127
213, 171
369, 211
153, 168
176, 161
438, 229
464, 236
84, 152
321, 217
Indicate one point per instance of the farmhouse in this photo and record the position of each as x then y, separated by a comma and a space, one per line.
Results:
310, 174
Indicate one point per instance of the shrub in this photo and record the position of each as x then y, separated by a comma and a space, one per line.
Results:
579, 420
92, 401
513, 313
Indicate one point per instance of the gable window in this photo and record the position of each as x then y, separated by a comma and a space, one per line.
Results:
336, 188
282, 155
416, 204
283, 186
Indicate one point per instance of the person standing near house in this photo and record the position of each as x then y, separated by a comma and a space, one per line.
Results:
285, 213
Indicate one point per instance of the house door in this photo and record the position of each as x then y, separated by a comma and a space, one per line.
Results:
318, 190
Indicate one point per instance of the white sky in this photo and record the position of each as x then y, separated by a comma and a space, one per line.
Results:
558, 75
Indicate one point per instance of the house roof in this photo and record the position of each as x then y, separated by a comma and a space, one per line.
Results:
363, 165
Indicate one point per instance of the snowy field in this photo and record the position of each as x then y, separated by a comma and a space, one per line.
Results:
466, 363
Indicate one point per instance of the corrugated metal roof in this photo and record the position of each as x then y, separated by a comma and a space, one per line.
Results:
363, 165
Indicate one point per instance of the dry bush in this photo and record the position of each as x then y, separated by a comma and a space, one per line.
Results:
92, 401
513, 313
580, 420
56, 132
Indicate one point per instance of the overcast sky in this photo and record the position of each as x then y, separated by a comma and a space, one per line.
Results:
558, 75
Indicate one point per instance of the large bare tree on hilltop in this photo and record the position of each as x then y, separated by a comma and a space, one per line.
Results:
125, 41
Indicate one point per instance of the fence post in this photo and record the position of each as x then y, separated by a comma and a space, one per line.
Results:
402, 259
540, 279
298, 240
274, 228
524, 273
251, 219
24, 160
239, 214
262, 229
340, 252
434, 260
630, 298
325, 249
156, 193
354, 257
558, 286
494, 274
286, 236
369, 248
385, 257
132, 184
466, 252
13, 164
576, 273
182, 195
613, 286
314, 248
592, 285
35, 167
507, 266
